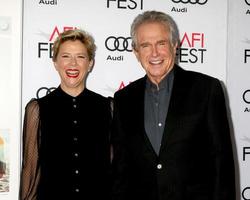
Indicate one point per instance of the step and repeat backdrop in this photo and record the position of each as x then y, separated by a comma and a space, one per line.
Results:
202, 24
238, 85
215, 40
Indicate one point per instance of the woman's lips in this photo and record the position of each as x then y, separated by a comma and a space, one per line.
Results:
72, 73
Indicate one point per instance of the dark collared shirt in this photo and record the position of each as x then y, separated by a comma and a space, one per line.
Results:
157, 100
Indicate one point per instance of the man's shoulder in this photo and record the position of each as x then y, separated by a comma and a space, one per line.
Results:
193, 76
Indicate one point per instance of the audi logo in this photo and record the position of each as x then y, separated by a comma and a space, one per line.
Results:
201, 2
120, 43
246, 96
43, 91
247, 2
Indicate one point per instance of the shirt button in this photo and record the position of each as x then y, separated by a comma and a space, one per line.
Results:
159, 166
75, 139
160, 124
76, 171
77, 190
74, 106
76, 154
75, 121
74, 100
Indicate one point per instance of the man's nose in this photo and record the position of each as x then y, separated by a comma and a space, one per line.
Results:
155, 50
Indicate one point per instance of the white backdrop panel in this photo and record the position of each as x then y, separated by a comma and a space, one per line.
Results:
202, 26
203, 29
238, 83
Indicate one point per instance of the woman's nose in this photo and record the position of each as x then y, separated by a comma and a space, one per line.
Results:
73, 60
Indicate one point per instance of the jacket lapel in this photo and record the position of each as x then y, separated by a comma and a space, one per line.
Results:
138, 117
175, 105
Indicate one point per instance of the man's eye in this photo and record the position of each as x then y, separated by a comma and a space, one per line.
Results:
144, 45
163, 43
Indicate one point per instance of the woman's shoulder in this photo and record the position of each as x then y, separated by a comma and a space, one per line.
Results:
96, 95
32, 108
33, 103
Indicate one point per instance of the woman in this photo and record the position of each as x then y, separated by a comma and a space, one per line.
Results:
66, 151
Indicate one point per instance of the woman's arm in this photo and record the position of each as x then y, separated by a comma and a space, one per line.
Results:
30, 173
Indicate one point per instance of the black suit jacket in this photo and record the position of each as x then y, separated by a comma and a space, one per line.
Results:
195, 160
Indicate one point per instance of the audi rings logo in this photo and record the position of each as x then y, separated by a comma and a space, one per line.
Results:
246, 96
120, 43
43, 91
247, 2
200, 2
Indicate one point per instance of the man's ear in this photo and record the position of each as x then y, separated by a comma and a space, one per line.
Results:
136, 54
175, 46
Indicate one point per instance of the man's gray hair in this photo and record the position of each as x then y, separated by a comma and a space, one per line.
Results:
155, 16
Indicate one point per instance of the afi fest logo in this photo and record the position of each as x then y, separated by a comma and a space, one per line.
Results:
247, 52
125, 4
45, 48
247, 2
199, 2
192, 48
246, 155
246, 55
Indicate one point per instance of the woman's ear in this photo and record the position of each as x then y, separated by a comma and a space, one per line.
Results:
55, 65
91, 64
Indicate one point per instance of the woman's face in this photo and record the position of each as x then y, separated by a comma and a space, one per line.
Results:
73, 64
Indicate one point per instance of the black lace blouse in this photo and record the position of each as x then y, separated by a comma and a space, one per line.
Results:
66, 151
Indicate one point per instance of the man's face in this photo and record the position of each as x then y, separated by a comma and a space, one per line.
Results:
154, 50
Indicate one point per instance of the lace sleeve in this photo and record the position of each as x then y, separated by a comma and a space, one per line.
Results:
30, 173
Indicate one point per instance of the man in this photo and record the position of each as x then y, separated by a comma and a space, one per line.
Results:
170, 135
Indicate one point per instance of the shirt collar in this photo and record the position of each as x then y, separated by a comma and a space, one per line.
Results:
164, 84
67, 96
